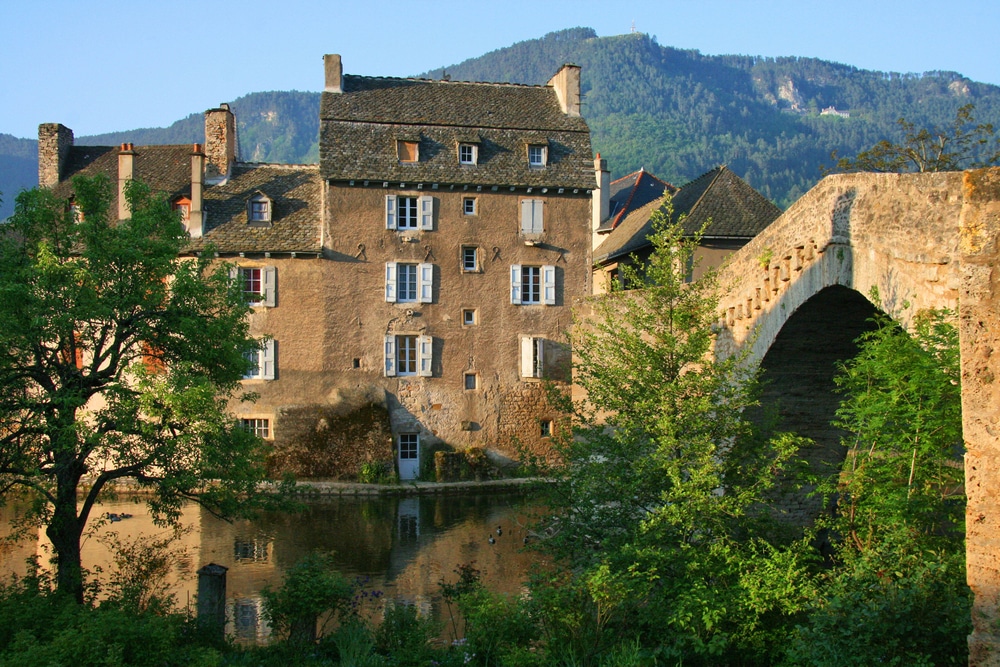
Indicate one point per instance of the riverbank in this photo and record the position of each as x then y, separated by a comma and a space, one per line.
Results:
321, 488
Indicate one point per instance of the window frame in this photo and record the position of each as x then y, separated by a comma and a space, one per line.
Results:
423, 355
422, 282
265, 361
260, 209
259, 426
473, 153
546, 285
542, 152
470, 206
268, 294
407, 151
474, 377
419, 212
532, 358
470, 314
470, 252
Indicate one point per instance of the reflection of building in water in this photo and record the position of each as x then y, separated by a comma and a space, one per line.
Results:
256, 548
408, 520
245, 619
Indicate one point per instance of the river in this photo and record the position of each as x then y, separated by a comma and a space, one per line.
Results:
400, 547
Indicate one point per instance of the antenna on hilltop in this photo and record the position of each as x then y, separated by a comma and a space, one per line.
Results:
633, 25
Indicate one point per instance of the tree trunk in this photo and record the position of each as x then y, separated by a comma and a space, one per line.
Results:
64, 531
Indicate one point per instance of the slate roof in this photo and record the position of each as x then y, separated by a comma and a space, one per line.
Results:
296, 193
163, 168
359, 129
631, 192
736, 210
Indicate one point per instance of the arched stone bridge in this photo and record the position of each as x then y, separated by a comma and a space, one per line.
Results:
797, 296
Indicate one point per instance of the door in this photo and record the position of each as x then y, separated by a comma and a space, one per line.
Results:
409, 455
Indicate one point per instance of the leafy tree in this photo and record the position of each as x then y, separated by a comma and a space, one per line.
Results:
661, 508
116, 361
965, 145
897, 593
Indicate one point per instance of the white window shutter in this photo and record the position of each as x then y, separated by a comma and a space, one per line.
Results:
390, 282
425, 355
390, 212
526, 216
549, 285
426, 203
234, 274
270, 286
390, 356
537, 209
268, 362
515, 283
425, 283
527, 356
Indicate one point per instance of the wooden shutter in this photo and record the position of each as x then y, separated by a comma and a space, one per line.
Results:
268, 360
425, 283
425, 355
527, 357
390, 356
390, 212
539, 358
270, 286
515, 284
390, 282
549, 285
531, 216
426, 204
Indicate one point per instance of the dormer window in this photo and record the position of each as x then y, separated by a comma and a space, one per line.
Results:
537, 155
183, 204
259, 209
409, 151
468, 154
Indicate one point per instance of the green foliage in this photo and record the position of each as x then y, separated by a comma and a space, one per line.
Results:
117, 360
662, 508
311, 588
376, 472
405, 636
965, 145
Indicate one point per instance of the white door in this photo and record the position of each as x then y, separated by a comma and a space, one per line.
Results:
409, 455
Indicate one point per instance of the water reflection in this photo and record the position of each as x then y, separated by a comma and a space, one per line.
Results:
400, 546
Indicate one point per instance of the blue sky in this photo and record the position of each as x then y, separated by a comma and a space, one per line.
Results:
100, 66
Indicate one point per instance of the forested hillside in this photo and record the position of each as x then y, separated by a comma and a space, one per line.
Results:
677, 113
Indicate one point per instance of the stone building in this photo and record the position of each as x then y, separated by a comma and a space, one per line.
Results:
734, 211
413, 289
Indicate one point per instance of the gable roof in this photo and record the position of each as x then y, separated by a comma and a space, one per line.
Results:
631, 192
735, 209
163, 168
295, 192
360, 126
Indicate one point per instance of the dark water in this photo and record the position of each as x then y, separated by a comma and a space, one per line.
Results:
396, 548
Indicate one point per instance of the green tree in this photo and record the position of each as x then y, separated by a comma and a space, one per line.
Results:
965, 145
897, 593
116, 361
661, 507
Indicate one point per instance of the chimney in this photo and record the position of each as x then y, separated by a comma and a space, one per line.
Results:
334, 73
54, 142
567, 85
196, 216
126, 170
602, 197
220, 143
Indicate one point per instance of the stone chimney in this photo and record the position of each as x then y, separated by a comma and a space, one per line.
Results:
601, 207
334, 70
126, 171
54, 142
220, 143
196, 216
567, 85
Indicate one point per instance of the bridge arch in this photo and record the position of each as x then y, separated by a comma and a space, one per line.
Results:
922, 241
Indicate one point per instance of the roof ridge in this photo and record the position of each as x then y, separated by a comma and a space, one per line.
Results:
448, 81
708, 187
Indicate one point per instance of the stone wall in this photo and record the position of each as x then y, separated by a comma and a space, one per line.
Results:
54, 142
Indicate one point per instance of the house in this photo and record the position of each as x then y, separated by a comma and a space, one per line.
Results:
413, 288
734, 211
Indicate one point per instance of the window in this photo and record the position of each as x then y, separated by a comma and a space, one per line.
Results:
408, 151
468, 153
531, 216
259, 284
409, 445
404, 212
532, 356
470, 260
263, 364
259, 427
533, 285
409, 283
546, 428
259, 209
537, 155
469, 206
408, 354
471, 381
469, 317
